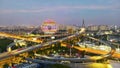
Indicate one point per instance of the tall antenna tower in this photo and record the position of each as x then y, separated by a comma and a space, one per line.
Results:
83, 24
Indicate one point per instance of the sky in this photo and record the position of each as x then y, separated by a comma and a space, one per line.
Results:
72, 12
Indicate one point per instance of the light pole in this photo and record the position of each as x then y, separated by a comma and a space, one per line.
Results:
71, 50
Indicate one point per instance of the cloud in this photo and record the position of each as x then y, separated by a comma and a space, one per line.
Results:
62, 8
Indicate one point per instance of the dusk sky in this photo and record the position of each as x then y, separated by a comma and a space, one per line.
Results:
35, 12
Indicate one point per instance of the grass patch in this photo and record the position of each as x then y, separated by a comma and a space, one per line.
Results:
4, 43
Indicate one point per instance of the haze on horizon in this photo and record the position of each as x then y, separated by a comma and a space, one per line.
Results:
35, 12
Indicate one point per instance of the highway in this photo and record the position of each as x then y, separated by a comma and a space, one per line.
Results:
20, 37
22, 50
112, 64
65, 59
94, 51
29, 38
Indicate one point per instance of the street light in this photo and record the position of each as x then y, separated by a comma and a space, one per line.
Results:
53, 37
71, 51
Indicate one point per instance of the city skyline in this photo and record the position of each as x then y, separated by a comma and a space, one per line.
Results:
94, 12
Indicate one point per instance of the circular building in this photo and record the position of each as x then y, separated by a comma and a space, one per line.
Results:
49, 27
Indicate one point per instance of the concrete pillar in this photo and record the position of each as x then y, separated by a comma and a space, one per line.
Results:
9, 49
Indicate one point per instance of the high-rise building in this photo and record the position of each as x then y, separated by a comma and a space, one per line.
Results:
93, 28
83, 24
103, 27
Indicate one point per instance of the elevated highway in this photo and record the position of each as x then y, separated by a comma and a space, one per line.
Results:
20, 37
22, 50
30, 38
94, 51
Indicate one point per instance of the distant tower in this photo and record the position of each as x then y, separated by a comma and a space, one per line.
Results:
83, 24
